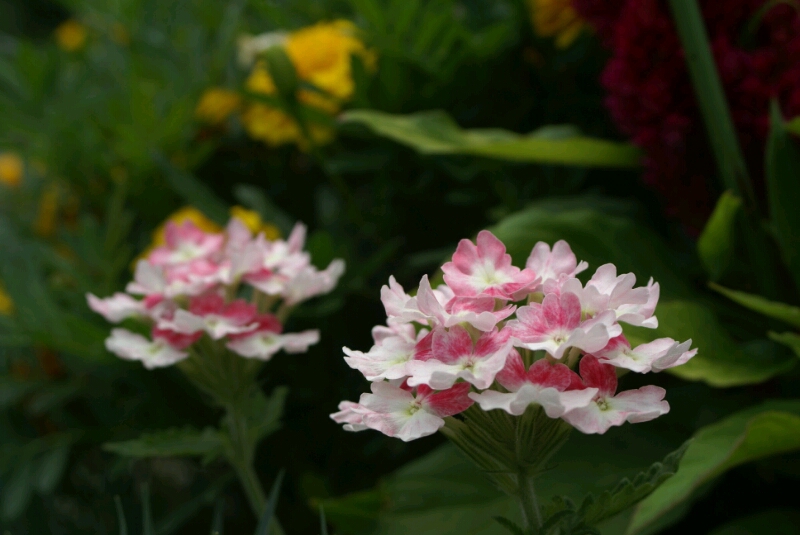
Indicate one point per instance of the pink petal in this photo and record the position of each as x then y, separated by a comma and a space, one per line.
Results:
448, 402
598, 375
450, 346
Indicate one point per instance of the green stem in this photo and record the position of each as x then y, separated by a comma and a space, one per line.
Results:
528, 502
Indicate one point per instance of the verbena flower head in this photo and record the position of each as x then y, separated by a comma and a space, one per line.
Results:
505, 338
230, 287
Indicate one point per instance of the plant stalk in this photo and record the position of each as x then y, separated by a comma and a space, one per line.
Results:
526, 494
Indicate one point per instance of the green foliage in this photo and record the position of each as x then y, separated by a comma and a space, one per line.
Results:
781, 311
769, 429
778, 521
782, 168
716, 244
171, 443
435, 132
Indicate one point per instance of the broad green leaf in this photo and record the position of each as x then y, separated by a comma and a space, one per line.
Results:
776, 521
435, 132
716, 244
170, 442
721, 361
792, 340
783, 191
748, 435
599, 231
788, 313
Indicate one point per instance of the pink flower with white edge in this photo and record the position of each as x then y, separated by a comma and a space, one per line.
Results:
485, 270
454, 356
279, 261
389, 358
441, 308
310, 282
156, 353
556, 265
607, 409
351, 414
545, 383
653, 356
116, 308
211, 314
267, 339
406, 414
185, 242
607, 291
555, 325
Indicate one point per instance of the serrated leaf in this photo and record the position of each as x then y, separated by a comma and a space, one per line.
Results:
263, 413
783, 190
627, 493
769, 429
716, 244
435, 132
510, 526
781, 311
170, 443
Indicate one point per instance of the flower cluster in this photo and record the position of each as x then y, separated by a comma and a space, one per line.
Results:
322, 59
506, 338
756, 47
222, 286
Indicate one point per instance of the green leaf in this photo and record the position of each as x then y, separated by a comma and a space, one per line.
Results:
170, 443
769, 429
716, 244
792, 340
254, 198
264, 414
776, 521
123, 524
512, 527
793, 126
721, 361
788, 313
17, 491
435, 132
51, 467
147, 513
266, 519
783, 191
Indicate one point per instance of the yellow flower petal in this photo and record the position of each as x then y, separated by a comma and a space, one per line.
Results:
216, 105
252, 220
11, 169
6, 304
556, 18
71, 35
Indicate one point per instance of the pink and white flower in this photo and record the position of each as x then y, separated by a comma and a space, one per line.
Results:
607, 409
185, 242
545, 383
555, 325
155, 353
554, 266
310, 282
116, 308
402, 413
485, 270
211, 314
267, 339
441, 307
654, 356
395, 347
454, 356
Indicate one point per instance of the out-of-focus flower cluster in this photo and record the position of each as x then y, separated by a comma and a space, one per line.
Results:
756, 46
322, 59
231, 286
557, 19
506, 338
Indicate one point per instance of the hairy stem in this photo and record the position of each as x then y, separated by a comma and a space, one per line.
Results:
528, 501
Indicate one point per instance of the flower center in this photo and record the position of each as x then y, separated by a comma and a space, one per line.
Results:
602, 404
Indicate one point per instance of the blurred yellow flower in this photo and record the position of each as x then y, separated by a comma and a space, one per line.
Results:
45, 223
556, 18
6, 304
321, 55
252, 220
11, 169
217, 104
71, 35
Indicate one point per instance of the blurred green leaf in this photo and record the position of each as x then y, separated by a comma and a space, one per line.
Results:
777, 521
720, 362
254, 198
748, 435
50, 468
435, 132
17, 490
783, 190
170, 442
193, 191
793, 126
791, 340
267, 518
781, 311
716, 244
